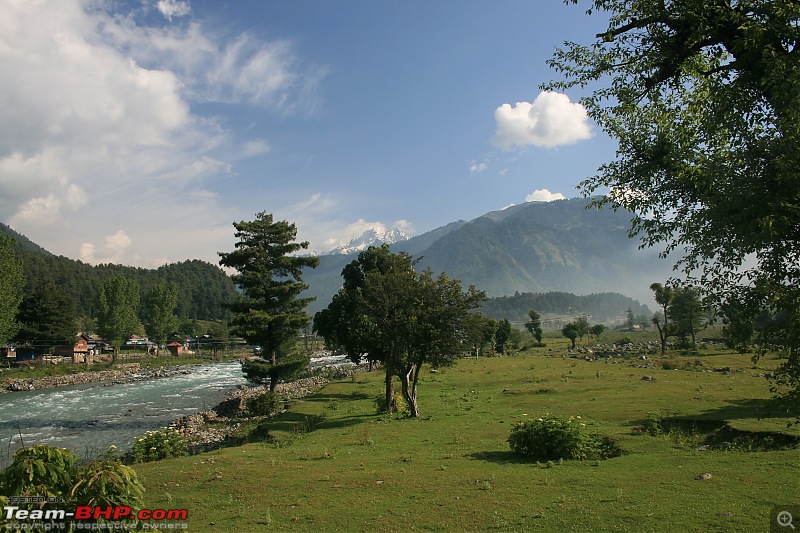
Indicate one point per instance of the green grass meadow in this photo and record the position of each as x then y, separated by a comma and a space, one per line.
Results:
335, 465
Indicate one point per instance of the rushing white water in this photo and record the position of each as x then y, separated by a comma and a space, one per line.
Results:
89, 418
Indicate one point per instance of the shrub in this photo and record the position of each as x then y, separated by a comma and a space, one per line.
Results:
551, 438
107, 482
39, 471
50, 472
264, 404
157, 445
400, 405
653, 423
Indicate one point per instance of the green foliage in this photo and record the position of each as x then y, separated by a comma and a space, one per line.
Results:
107, 482
47, 317
502, 335
52, 472
204, 289
551, 438
158, 310
266, 404
599, 305
653, 423
535, 325
265, 372
117, 304
270, 312
11, 283
687, 314
399, 406
158, 445
400, 318
480, 331
40, 471
703, 101
571, 331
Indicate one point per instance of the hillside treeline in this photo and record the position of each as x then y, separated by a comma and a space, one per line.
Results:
203, 289
603, 307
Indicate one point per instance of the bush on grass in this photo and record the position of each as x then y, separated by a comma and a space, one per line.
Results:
265, 404
44, 471
551, 438
157, 445
400, 405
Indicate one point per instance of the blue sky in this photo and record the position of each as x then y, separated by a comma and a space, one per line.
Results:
137, 131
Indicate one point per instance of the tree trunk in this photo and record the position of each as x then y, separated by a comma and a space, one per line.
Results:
410, 379
414, 383
389, 390
662, 337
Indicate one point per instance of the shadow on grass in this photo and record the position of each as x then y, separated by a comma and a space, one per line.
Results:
304, 423
748, 408
327, 398
499, 457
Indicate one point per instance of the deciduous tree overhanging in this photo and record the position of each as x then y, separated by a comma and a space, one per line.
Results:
269, 312
400, 318
703, 99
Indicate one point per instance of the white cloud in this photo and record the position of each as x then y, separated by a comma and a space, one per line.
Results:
204, 194
254, 147
543, 195
360, 226
405, 226
477, 167
113, 251
97, 125
244, 69
173, 8
550, 121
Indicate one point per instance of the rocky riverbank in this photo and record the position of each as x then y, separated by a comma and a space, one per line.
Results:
211, 429
122, 373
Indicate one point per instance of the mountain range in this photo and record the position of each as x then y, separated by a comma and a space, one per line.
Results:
536, 247
531, 247
372, 237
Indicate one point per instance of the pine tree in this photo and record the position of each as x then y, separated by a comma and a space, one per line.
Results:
11, 282
270, 312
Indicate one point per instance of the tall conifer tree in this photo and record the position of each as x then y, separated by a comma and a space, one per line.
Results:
270, 312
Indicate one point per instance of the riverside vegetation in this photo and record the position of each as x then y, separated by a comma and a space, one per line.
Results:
695, 450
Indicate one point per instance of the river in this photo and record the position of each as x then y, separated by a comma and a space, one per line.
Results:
91, 417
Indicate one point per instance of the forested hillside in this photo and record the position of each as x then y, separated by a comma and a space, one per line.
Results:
203, 289
607, 307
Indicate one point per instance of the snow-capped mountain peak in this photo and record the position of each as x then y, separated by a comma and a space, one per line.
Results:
374, 236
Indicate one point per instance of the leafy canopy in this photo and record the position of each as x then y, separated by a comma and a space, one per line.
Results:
117, 304
703, 99
401, 318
